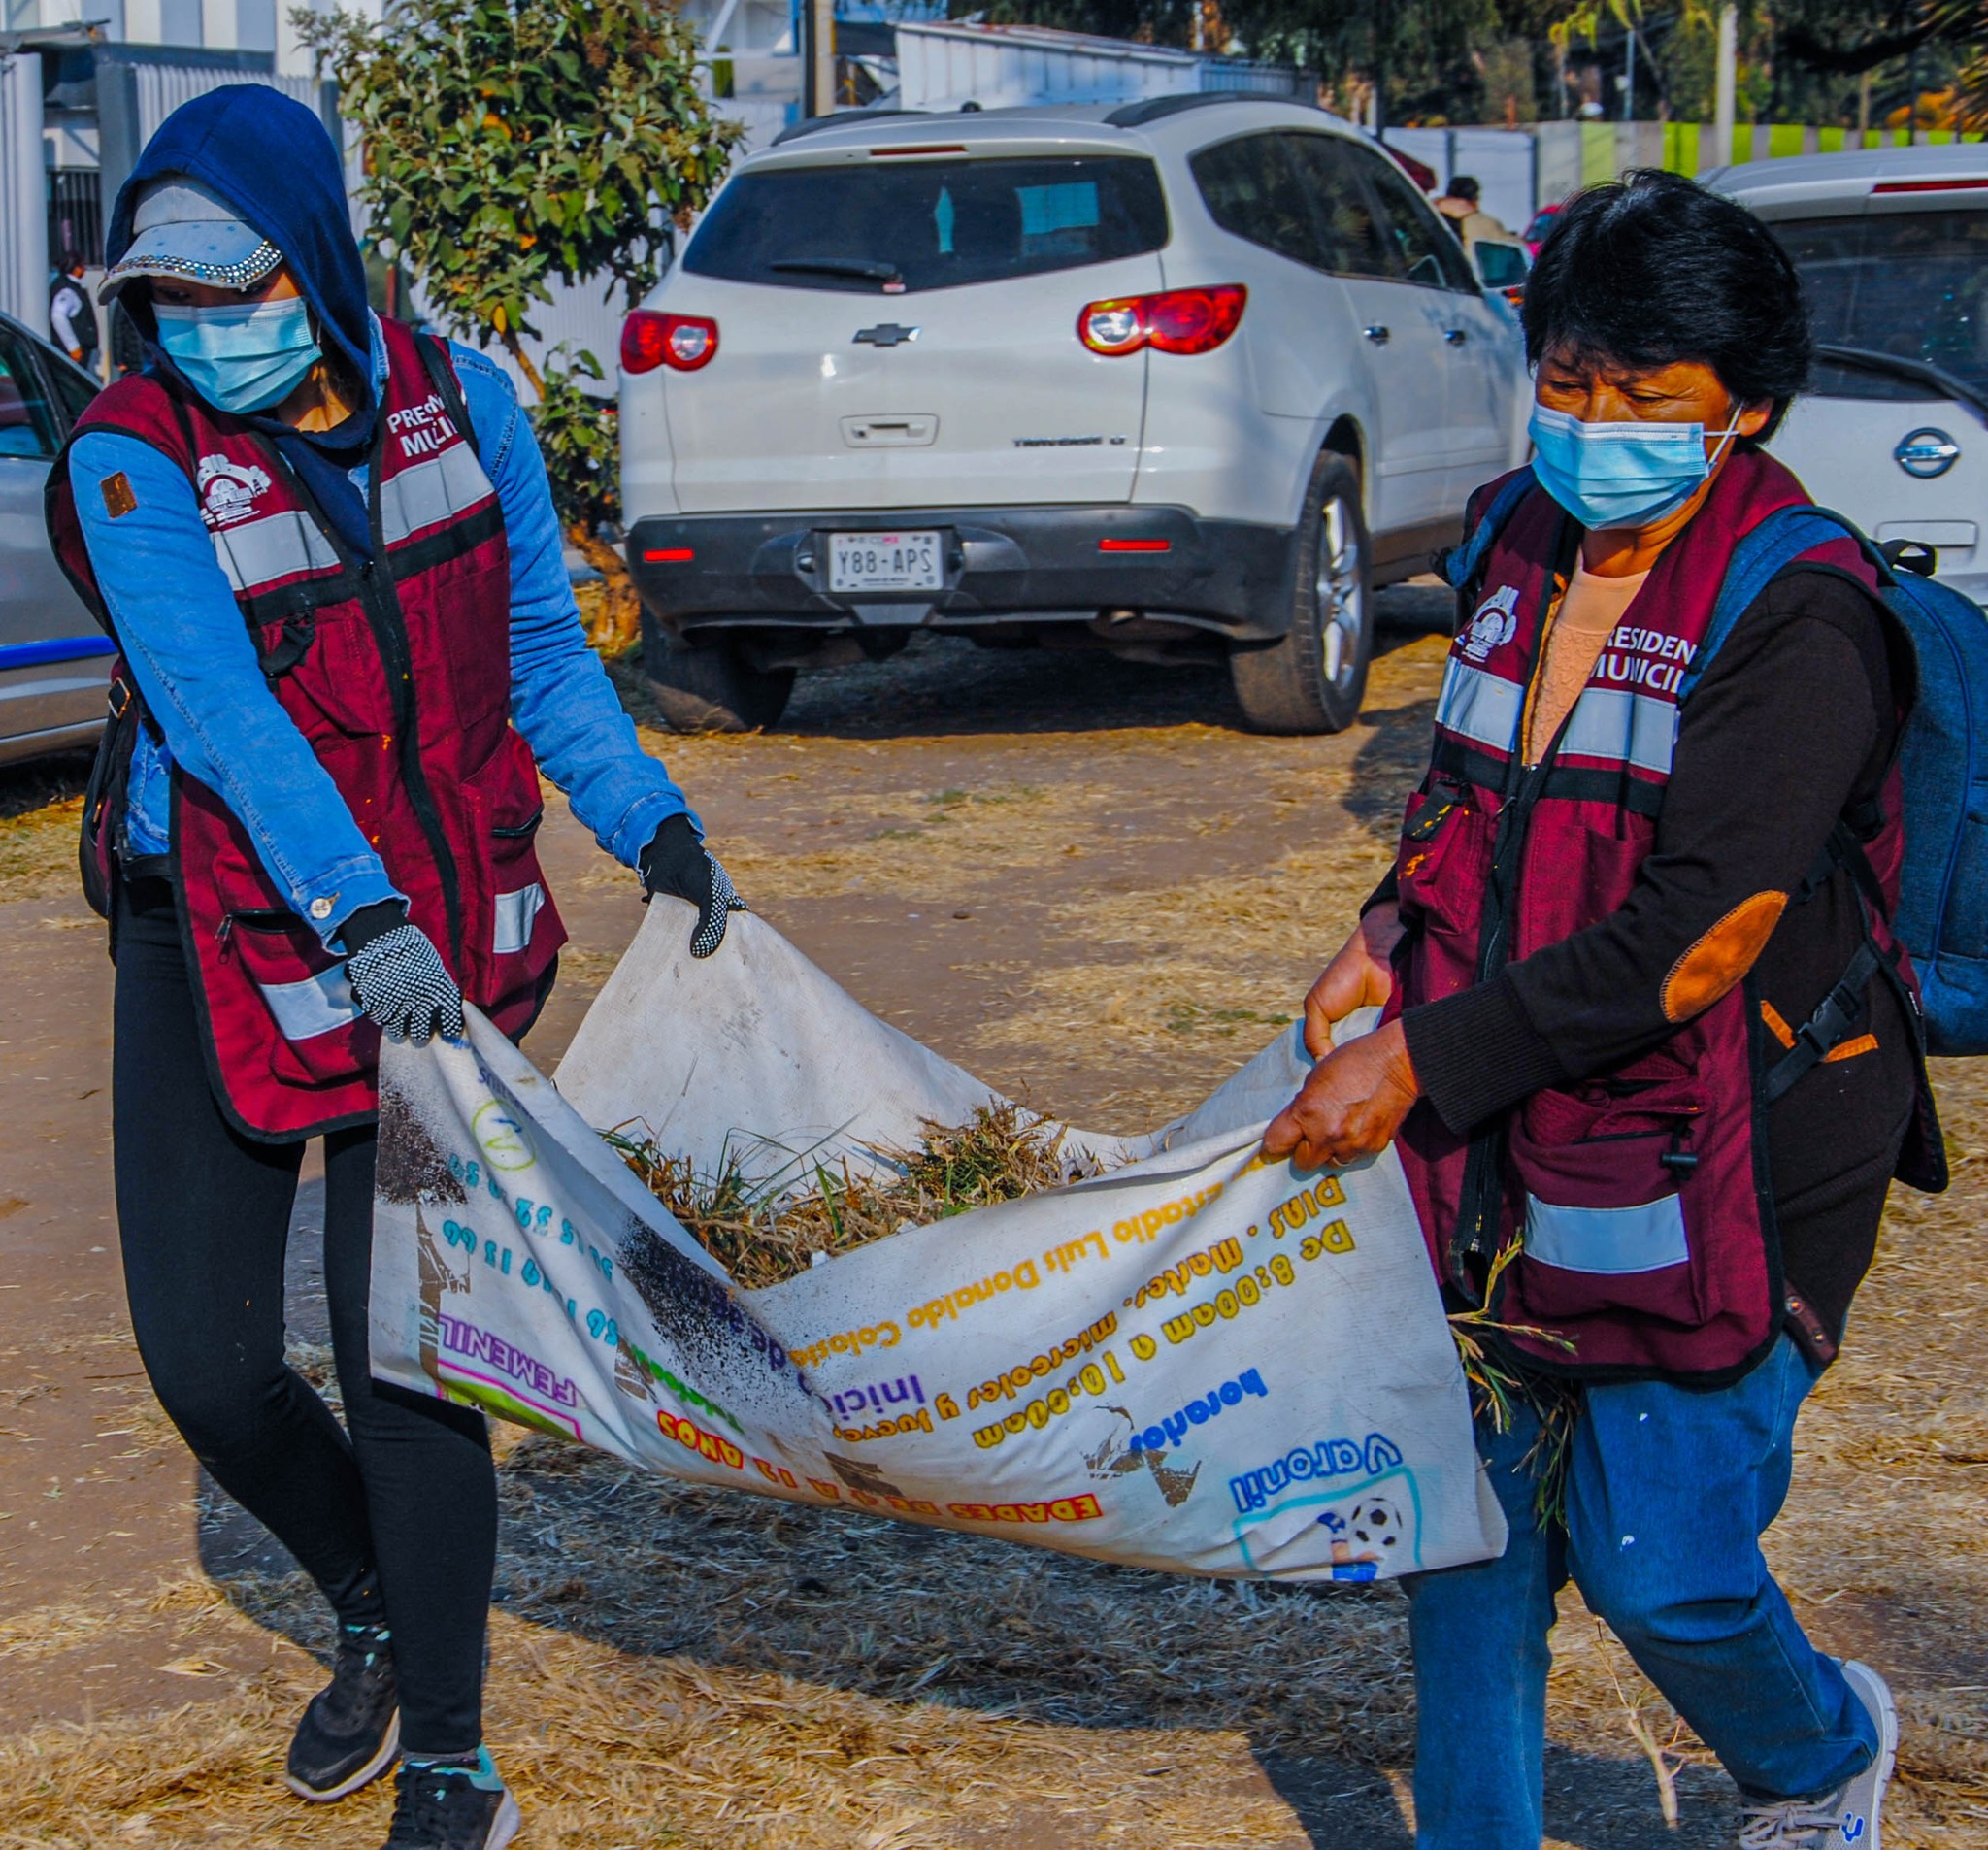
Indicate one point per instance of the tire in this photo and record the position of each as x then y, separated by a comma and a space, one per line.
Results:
710, 688
1314, 678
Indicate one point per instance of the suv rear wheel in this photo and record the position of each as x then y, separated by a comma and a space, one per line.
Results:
709, 688
1314, 678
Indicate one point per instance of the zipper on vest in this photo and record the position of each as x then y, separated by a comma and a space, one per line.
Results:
381, 601
1482, 1193
382, 604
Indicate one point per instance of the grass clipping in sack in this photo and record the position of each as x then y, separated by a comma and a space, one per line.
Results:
764, 1233
768, 1232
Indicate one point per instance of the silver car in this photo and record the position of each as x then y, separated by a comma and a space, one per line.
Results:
54, 658
1892, 243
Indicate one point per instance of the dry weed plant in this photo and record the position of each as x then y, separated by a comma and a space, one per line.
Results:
767, 1230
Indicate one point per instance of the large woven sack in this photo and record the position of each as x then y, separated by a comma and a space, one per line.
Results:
1198, 1361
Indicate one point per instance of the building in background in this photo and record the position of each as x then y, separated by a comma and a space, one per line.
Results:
82, 89
948, 65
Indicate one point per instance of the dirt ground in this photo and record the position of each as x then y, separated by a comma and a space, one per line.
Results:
1083, 880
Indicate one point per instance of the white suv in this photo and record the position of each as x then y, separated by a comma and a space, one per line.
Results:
1180, 380
1892, 245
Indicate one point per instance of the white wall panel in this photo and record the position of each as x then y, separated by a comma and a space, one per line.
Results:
23, 199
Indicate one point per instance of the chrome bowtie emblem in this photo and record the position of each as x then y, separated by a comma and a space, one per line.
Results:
1926, 453
885, 334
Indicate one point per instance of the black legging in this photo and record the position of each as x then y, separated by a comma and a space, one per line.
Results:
406, 1510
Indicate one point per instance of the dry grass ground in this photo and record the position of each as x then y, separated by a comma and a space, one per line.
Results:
41, 803
683, 1668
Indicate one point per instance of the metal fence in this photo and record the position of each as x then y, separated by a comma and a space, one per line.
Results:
1259, 80
1522, 168
75, 214
138, 86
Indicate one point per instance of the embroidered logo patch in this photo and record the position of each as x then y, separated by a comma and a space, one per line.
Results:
1495, 623
119, 500
229, 489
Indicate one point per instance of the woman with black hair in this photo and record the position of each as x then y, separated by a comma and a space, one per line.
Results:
1633, 866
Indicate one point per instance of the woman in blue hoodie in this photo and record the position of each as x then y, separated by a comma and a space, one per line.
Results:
326, 549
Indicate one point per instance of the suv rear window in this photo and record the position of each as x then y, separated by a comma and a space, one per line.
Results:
1912, 284
929, 224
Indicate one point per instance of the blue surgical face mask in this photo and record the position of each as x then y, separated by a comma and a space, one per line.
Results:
1620, 474
245, 356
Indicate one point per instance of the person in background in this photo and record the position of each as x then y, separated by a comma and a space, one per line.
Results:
71, 318
1649, 1054
1467, 218
326, 549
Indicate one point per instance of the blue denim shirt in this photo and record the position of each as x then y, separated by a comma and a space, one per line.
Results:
194, 663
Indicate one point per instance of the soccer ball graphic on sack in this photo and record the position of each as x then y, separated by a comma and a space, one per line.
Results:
1363, 1536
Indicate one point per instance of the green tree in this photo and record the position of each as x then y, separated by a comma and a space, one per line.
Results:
1800, 60
1963, 24
511, 142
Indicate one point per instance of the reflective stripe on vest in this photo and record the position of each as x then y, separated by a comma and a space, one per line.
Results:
1605, 723
282, 545
514, 914
1481, 706
1614, 1242
279, 545
425, 494
313, 1007
1622, 728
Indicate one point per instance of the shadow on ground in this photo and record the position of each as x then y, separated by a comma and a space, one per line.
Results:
944, 686
1592, 1804
1393, 754
40, 781
1316, 1679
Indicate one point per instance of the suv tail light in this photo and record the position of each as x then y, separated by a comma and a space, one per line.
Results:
1174, 321
681, 341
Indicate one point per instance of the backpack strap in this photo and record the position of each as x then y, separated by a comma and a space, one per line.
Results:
1829, 1027
1759, 558
1839, 1011
442, 375
1462, 563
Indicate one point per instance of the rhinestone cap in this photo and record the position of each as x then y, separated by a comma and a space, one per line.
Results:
183, 230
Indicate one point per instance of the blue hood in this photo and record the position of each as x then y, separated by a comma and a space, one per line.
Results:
272, 161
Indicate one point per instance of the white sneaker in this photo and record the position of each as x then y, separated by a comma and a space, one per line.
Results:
1849, 1815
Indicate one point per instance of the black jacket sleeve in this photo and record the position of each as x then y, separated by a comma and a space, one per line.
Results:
1791, 721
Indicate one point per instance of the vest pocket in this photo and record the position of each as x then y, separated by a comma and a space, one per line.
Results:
479, 672
1609, 1175
341, 676
304, 988
506, 811
1439, 865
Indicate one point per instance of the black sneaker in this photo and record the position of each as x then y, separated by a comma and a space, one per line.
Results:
453, 1805
351, 1733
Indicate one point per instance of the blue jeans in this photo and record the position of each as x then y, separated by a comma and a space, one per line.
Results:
1667, 1493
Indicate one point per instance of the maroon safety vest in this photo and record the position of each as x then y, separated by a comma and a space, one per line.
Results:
1640, 1197
398, 672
